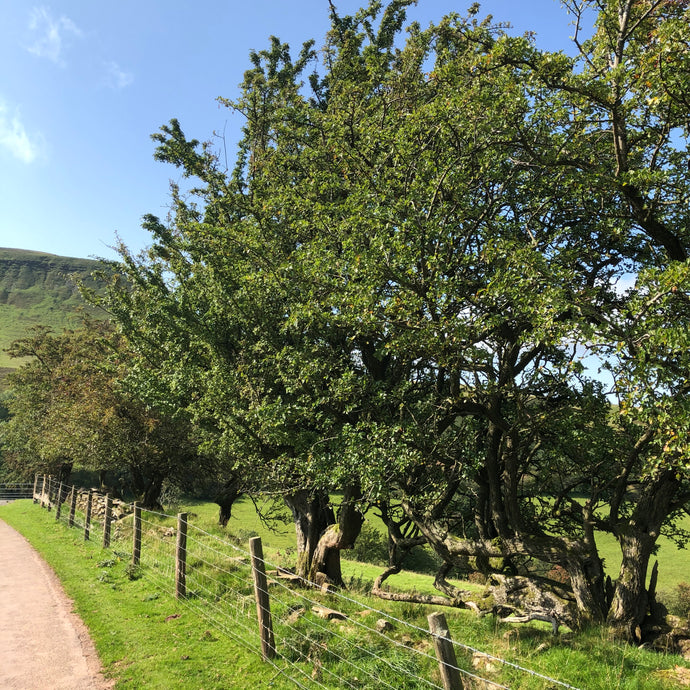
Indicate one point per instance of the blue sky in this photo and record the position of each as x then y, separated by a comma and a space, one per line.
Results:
83, 85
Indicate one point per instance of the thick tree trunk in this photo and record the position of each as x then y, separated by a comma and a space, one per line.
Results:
630, 602
64, 471
312, 514
588, 585
151, 496
637, 538
147, 489
325, 563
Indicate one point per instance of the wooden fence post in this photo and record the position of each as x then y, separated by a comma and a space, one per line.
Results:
50, 492
87, 515
106, 520
58, 507
43, 492
445, 653
181, 557
263, 606
35, 487
72, 506
136, 546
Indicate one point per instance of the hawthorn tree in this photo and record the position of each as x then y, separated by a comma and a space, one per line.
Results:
392, 294
623, 117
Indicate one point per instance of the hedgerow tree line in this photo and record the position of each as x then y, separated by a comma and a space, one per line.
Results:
392, 296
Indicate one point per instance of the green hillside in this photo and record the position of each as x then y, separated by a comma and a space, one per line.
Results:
37, 288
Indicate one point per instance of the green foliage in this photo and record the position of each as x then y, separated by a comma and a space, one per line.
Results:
678, 600
393, 292
371, 546
69, 406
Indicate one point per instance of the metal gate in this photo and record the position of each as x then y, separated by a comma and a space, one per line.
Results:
11, 491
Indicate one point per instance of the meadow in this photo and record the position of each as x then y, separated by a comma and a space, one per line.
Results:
36, 289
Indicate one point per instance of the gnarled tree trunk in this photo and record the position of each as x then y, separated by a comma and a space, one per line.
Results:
587, 588
64, 471
325, 563
147, 489
630, 602
312, 514
637, 538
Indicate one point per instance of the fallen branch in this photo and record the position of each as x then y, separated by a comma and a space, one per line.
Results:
328, 614
415, 597
526, 618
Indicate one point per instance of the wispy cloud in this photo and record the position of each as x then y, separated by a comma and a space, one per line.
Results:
117, 78
50, 35
14, 138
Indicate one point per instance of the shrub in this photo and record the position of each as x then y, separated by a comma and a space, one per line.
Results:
371, 546
421, 559
678, 600
477, 578
559, 574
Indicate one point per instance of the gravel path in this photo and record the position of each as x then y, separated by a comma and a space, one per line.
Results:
43, 643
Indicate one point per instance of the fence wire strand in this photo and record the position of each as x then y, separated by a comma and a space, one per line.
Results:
385, 661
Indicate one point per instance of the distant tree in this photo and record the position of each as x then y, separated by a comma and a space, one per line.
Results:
69, 406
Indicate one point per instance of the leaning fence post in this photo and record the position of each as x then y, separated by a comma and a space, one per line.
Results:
445, 653
43, 492
263, 606
136, 546
181, 557
106, 520
72, 506
87, 515
35, 487
58, 508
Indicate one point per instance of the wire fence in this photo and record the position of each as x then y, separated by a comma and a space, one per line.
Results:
320, 637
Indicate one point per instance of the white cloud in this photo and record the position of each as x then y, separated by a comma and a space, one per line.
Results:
14, 138
49, 34
117, 78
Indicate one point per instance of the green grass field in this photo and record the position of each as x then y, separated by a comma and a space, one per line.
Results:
674, 563
146, 638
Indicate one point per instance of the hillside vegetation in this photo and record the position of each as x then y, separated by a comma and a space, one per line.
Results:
37, 288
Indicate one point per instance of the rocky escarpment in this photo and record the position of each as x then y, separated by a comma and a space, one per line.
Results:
29, 278
40, 289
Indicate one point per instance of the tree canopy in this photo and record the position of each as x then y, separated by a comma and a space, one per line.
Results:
394, 292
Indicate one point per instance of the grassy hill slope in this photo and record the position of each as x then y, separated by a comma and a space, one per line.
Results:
37, 288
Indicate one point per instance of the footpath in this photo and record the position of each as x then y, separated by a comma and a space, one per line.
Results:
43, 644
